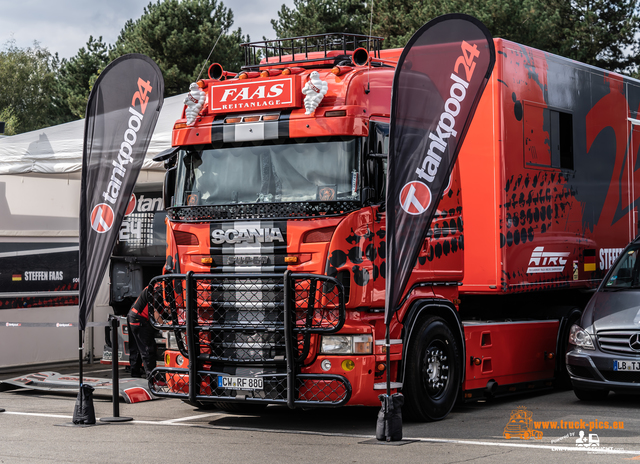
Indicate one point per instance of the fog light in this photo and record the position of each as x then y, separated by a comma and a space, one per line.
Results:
348, 365
179, 360
326, 365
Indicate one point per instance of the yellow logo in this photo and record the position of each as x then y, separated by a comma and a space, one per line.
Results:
521, 425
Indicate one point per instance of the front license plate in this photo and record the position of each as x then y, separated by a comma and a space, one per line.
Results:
626, 365
240, 383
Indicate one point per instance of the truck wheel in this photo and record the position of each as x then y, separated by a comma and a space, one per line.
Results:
590, 395
433, 371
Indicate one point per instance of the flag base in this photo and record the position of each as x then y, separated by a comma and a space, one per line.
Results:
84, 412
389, 424
116, 419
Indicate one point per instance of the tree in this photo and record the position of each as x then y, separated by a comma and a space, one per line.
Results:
77, 75
28, 87
598, 32
9, 117
178, 36
308, 17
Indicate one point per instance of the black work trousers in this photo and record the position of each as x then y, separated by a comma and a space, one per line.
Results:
142, 345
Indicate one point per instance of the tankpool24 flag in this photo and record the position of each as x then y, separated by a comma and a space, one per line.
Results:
122, 112
439, 79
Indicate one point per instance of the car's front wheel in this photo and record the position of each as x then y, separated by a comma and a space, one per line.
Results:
590, 395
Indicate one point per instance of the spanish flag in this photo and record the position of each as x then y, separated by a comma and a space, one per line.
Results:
16, 277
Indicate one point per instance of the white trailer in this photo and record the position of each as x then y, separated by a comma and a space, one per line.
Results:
39, 207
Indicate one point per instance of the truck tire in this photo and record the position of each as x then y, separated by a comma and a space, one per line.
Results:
433, 371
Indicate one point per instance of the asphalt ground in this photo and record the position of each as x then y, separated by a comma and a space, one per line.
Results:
36, 428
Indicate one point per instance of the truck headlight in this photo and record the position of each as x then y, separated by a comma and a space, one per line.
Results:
347, 344
580, 338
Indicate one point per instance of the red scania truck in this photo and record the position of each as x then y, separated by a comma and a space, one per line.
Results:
274, 282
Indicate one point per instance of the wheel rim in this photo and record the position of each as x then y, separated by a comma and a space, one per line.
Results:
435, 369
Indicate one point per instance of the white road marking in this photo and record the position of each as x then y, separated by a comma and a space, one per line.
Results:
181, 423
199, 416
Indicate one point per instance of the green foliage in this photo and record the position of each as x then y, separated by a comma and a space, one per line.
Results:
29, 88
598, 32
78, 74
10, 118
309, 17
178, 36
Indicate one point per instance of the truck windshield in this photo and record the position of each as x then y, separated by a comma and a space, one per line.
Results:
296, 171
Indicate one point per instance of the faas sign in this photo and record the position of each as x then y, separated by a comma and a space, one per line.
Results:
260, 94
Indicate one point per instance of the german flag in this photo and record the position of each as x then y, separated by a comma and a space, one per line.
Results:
16, 277
589, 260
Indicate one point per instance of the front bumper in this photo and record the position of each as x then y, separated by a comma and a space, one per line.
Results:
593, 370
251, 325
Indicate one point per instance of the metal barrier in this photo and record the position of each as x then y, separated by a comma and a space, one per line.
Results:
259, 323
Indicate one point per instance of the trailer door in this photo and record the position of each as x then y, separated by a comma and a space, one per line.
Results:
634, 191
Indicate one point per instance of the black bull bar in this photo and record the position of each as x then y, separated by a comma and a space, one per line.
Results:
259, 325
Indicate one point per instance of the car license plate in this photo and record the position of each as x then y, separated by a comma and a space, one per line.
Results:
240, 383
626, 365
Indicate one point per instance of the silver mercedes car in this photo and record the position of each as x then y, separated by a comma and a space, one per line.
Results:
604, 346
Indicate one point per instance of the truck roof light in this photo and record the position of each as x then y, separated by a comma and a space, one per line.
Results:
232, 120
270, 117
251, 118
248, 74
180, 125
292, 70
339, 70
202, 84
270, 72
335, 113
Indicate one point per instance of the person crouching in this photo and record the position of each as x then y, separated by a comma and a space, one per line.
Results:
142, 343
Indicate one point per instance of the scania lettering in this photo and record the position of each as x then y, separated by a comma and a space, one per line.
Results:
274, 281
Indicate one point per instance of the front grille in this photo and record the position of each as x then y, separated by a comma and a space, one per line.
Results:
616, 341
618, 376
261, 211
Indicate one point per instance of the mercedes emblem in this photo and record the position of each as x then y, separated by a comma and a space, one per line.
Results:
634, 341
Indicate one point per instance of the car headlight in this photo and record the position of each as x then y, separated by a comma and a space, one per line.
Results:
580, 338
347, 344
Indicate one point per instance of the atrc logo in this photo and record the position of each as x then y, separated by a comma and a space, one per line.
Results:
415, 198
102, 218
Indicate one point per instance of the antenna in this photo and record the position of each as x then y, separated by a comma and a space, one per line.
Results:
212, 48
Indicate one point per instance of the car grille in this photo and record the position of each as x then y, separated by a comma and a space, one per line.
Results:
617, 376
616, 341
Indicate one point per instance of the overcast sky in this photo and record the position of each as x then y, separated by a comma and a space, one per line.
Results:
64, 26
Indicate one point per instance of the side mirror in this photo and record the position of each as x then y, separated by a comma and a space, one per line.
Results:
368, 194
169, 187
